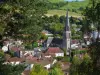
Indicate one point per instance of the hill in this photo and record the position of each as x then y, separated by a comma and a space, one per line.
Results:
74, 7
62, 12
56, 1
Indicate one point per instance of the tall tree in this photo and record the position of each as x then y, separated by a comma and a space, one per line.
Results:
95, 56
92, 13
22, 17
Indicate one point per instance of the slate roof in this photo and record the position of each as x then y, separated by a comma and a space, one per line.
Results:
56, 42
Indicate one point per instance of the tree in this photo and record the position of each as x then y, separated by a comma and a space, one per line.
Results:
8, 69
57, 28
22, 18
56, 71
38, 70
75, 66
86, 67
95, 56
92, 14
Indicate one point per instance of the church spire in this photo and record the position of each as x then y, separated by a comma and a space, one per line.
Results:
67, 36
67, 26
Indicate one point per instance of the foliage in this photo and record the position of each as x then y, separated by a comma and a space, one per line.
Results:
7, 69
79, 51
35, 44
22, 18
66, 59
92, 13
81, 66
57, 28
43, 37
59, 58
87, 64
11, 52
1, 54
28, 45
56, 65
75, 66
38, 70
95, 56
56, 71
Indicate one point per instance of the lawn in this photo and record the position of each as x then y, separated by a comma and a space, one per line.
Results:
62, 12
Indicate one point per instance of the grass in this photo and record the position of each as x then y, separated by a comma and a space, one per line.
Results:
75, 5
56, 1
62, 12
71, 5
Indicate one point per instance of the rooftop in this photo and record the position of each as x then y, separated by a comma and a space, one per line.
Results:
54, 50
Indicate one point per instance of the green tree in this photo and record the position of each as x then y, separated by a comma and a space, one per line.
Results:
38, 70
22, 18
56, 71
92, 14
8, 69
86, 67
95, 56
75, 66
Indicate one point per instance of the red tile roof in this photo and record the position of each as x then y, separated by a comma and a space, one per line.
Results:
54, 50
15, 59
15, 49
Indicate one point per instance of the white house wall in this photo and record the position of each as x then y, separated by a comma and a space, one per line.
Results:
59, 54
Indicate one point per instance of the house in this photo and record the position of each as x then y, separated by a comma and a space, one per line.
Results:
46, 62
54, 51
24, 53
15, 60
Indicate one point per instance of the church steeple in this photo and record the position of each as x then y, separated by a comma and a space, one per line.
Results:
67, 26
67, 36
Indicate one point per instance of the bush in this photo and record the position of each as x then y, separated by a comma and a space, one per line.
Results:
59, 58
66, 59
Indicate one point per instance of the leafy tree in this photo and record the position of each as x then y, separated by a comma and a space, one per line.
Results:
57, 28
95, 56
7, 69
86, 67
75, 66
38, 70
22, 18
56, 71
92, 13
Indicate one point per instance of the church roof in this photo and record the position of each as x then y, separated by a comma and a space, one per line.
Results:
56, 42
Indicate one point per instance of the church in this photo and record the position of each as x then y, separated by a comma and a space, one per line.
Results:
64, 43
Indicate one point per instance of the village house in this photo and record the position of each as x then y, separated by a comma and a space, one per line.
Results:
15, 61
54, 51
